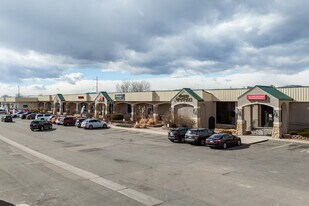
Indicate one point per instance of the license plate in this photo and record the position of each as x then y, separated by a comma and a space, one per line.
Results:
211, 141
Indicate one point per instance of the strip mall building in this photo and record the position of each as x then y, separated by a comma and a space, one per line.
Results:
262, 110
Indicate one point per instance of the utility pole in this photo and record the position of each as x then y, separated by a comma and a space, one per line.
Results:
97, 85
18, 92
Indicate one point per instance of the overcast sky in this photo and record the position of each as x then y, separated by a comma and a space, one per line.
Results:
49, 46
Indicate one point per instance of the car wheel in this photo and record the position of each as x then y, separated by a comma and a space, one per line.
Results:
238, 142
202, 142
172, 140
104, 126
90, 127
42, 128
50, 127
183, 140
32, 129
224, 146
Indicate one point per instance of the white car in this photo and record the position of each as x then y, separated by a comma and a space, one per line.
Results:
43, 117
59, 120
93, 123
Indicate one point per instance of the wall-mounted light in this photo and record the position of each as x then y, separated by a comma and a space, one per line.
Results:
194, 110
276, 113
238, 111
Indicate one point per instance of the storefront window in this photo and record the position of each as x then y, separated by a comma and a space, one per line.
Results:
225, 113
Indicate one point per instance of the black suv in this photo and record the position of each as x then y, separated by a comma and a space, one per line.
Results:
177, 134
41, 125
7, 118
24, 115
198, 136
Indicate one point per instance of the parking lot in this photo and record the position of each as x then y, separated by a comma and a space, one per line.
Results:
83, 167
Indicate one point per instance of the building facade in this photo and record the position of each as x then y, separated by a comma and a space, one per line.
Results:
260, 110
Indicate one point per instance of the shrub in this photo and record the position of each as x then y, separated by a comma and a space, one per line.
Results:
151, 122
90, 115
226, 131
117, 116
304, 133
127, 117
143, 121
293, 132
167, 119
183, 121
143, 126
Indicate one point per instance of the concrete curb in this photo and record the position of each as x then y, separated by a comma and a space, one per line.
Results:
149, 131
292, 140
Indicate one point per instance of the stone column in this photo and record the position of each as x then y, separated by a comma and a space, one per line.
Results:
197, 118
54, 110
77, 112
133, 112
155, 113
96, 112
277, 130
241, 123
89, 108
61, 108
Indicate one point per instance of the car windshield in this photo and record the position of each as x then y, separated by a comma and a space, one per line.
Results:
217, 136
193, 131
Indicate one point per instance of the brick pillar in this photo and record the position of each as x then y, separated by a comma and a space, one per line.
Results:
277, 130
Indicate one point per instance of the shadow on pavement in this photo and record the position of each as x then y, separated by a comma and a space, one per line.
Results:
3, 203
243, 146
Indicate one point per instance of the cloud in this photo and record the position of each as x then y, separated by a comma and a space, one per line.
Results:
72, 78
175, 37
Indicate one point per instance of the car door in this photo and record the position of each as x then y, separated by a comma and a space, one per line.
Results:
229, 139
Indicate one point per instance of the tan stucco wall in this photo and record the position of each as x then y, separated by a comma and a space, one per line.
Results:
45, 98
270, 101
74, 97
298, 116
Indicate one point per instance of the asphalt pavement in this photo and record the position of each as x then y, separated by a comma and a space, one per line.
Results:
72, 166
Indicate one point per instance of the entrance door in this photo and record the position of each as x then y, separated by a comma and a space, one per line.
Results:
267, 116
211, 123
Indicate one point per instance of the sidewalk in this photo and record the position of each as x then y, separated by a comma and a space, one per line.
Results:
250, 139
160, 131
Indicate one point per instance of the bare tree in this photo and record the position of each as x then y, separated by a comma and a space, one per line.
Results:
133, 86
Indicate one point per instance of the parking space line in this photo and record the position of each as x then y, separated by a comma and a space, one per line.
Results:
305, 150
133, 194
277, 147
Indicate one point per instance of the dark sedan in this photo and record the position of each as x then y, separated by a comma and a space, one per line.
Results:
24, 115
41, 125
223, 141
7, 118
198, 136
177, 134
31, 116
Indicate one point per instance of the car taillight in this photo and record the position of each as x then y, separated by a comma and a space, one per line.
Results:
196, 137
207, 140
217, 140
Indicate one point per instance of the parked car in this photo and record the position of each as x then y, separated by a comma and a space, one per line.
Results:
59, 120
68, 121
42, 116
24, 115
41, 125
223, 140
198, 136
79, 122
177, 134
93, 123
2, 111
18, 114
31, 116
6, 118
53, 119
